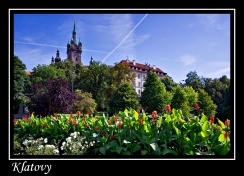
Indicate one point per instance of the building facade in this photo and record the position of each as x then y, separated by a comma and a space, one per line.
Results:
141, 71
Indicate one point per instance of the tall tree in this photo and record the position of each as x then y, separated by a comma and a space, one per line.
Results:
180, 100
123, 98
43, 72
168, 82
54, 95
20, 83
206, 103
154, 96
193, 80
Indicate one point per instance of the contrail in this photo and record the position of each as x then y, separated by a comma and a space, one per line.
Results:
64, 47
125, 38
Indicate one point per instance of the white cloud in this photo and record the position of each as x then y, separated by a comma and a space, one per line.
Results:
187, 60
220, 72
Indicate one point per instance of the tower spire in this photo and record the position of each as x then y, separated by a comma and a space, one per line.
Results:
74, 34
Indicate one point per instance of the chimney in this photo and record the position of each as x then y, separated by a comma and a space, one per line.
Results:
134, 62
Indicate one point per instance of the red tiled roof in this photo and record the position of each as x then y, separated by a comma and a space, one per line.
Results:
143, 66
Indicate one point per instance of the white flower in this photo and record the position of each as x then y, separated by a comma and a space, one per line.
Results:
94, 135
56, 150
68, 139
63, 144
25, 142
62, 147
50, 146
40, 147
45, 140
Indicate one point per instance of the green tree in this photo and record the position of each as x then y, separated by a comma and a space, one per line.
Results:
154, 96
168, 82
123, 98
84, 102
180, 100
20, 83
206, 103
192, 96
43, 72
93, 79
193, 80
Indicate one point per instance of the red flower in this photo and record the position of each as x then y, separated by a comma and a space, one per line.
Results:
119, 124
95, 128
88, 111
154, 114
218, 128
112, 137
78, 113
103, 133
226, 134
55, 115
138, 111
141, 121
196, 106
115, 118
70, 114
74, 123
211, 120
227, 123
168, 108
15, 121
155, 121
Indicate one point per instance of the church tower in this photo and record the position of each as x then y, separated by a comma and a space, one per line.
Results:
74, 49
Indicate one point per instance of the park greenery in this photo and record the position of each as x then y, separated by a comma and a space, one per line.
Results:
65, 88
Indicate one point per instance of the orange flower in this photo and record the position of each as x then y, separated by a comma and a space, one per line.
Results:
115, 118
109, 122
55, 115
141, 121
70, 114
180, 121
119, 124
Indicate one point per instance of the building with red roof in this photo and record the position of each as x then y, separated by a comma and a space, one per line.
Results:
140, 71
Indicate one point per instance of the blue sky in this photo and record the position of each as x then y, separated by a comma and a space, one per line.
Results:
175, 43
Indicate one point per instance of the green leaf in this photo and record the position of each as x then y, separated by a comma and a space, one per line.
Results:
204, 133
135, 114
144, 152
221, 138
205, 126
102, 150
204, 118
118, 149
166, 151
168, 118
137, 147
221, 123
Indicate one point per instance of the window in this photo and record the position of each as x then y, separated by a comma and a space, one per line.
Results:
139, 84
139, 92
139, 75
